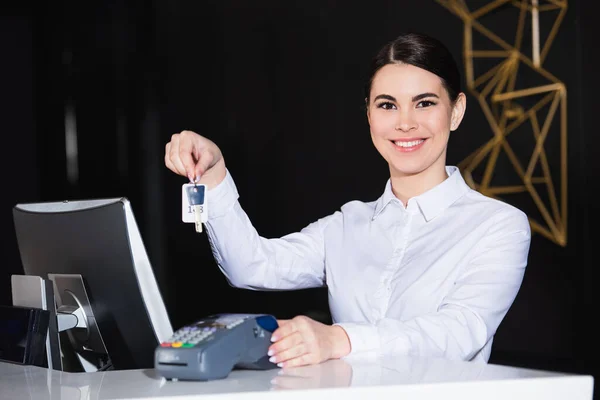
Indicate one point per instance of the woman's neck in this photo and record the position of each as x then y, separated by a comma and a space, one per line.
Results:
406, 186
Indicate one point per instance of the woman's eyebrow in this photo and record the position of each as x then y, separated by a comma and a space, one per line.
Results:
415, 98
424, 95
385, 96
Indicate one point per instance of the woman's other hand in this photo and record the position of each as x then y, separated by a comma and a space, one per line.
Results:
304, 341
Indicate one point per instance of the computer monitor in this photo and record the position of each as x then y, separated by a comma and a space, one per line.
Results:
96, 244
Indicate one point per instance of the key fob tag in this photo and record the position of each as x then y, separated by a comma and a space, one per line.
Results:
193, 195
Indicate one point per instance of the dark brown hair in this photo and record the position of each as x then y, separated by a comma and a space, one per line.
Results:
421, 51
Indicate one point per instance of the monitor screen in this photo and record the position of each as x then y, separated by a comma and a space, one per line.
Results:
100, 241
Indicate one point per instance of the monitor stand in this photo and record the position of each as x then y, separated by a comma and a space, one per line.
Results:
74, 342
35, 292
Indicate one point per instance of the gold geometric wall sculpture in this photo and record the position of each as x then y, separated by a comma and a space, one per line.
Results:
502, 103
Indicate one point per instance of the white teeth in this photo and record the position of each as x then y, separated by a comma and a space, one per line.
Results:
409, 144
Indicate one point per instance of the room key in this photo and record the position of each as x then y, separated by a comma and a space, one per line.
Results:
196, 197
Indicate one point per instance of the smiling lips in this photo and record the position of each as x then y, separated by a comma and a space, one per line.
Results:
408, 145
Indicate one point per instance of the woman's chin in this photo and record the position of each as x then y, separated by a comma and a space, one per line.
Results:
406, 169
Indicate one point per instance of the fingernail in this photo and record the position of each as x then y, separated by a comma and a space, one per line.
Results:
274, 381
272, 359
274, 338
280, 365
270, 353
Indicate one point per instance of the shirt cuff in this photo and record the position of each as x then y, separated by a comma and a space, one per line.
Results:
363, 338
222, 197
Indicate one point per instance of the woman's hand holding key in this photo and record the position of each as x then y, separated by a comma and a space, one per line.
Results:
195, 157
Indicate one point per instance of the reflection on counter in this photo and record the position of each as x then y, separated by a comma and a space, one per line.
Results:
18, 382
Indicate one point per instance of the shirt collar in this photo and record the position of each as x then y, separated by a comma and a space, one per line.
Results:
434, 201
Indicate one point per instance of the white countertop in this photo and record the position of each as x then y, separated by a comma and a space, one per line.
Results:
414, 378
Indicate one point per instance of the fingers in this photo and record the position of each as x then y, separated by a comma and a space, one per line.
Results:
181, 154
286, 327
185, 155
295, 343
281, 322
304, 359
288, 347
172, 156
168, 162
191, 155
205, 160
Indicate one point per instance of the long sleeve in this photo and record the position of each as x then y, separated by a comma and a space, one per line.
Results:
249, 261
470, 313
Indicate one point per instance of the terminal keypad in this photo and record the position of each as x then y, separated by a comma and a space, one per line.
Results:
191, 335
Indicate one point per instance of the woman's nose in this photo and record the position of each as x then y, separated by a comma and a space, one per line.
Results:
405, 121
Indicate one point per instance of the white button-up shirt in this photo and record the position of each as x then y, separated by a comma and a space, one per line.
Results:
434, 278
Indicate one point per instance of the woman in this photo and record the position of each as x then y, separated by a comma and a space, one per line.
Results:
429, 269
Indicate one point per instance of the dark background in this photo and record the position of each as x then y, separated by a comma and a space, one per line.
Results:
278, 85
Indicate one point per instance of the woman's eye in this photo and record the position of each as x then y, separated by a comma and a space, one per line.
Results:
425, 103
386, 105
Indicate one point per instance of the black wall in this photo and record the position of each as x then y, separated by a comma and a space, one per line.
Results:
19, 160
278, 85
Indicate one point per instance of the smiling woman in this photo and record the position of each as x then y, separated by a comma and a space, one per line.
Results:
416, 102
428, 269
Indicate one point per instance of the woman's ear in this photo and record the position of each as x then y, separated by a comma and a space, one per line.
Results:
458, 111
367, 108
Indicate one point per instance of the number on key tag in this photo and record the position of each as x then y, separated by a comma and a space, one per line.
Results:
194, 204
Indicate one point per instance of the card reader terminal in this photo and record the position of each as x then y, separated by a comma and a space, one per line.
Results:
213, 346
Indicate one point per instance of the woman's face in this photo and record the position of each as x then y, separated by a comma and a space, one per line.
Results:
411, 116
